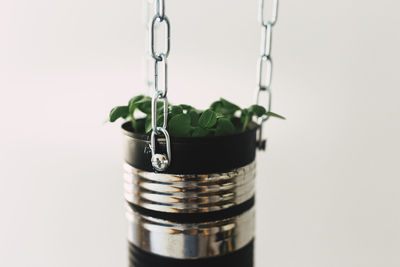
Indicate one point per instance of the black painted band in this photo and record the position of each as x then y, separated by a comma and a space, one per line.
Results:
201, 155
240, 258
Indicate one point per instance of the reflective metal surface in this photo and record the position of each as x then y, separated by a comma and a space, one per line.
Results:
189, 193
264, 71
160, 95
190, 241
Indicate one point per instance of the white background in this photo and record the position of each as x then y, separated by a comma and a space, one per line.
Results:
328, 186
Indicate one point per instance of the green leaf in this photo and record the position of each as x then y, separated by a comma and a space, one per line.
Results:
194, 117
224, 127
219, 115
228, 107
224, 107
133, 103
258, 110
245, 118
119, 112
200, 132
272, 114
187, 108
144, 106
175, 110
215, 106
134, 123
147, 125
179, 125
208, 119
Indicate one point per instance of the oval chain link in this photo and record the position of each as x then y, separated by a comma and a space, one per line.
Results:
265, 61
153, 30
164, 62
274, 17
158, 97
159, 161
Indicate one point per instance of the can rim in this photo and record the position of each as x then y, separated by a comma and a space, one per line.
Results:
197, 155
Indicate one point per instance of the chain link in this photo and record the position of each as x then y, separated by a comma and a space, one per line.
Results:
160, 162
264, 73
164, 63
265, 62
160, 9
274, 17
153, 30
156, 98
148, 13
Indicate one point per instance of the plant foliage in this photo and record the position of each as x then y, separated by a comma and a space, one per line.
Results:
221, 118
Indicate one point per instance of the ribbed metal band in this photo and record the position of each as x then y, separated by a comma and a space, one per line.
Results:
189, 193
190, 241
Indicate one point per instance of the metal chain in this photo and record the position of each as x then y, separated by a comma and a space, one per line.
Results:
265, 63
148, 12
160, 162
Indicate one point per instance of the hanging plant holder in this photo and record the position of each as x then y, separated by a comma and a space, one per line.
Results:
190, 200
200, 211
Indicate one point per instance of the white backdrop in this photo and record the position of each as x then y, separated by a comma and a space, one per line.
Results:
328, 186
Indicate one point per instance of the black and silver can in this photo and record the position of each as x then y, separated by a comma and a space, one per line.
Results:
200, 211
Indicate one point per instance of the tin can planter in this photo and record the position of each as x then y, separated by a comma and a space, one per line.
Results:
200, 211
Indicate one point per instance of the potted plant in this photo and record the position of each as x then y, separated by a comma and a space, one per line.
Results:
198, 210
189, 173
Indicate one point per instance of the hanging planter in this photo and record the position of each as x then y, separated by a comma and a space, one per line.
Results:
200, 211
190, 174
190, 198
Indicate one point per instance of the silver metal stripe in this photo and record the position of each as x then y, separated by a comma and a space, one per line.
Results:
189, 193
190, 241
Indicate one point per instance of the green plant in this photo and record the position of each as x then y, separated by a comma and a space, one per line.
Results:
221, 118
